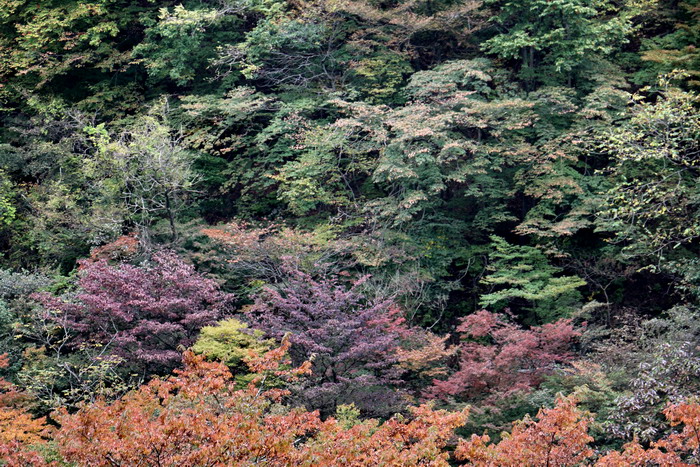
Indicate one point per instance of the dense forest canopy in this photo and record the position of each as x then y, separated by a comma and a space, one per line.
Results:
349, 232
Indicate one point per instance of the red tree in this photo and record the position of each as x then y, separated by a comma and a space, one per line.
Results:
498, 358
142, 313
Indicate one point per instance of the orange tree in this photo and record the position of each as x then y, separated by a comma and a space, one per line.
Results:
558, 437
198, 417
18, 429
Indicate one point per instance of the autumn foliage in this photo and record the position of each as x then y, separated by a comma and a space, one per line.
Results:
18, 428
497, 357
141, 313
124, 247
197, 417
321, 232
558, 437
352, 341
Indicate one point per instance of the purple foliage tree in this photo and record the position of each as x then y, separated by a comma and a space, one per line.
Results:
143, 314
350, 341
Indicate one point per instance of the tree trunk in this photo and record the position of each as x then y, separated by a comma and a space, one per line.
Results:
171, 217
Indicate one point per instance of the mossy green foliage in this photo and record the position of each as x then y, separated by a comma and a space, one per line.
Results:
231, 342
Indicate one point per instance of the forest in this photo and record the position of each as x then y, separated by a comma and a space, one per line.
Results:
349, 233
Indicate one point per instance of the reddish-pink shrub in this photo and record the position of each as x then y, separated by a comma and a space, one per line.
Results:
143, 313
497, 358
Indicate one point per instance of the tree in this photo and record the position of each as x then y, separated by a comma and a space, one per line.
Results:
152, 171
19, 430
524, 273
679, 448
652, 207
198, 417
231, 342
124, 248
559, 437
423, 30
237, 148
287, 51
143, 314
555, 37
452, 141
653, 363
261, 253
183, 41
498, 358
44, 44
63, 210
350, 340
7, 208
678, 48
16, 423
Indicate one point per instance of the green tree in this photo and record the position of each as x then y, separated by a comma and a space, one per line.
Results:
182, 43
150, 169
8, 211
232, 342
555, 38
523, 273
45, 47
654, 204
678, 48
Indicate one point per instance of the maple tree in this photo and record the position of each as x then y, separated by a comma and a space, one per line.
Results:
197, 417
498, 358
559, 437
201, 415
19, 430
263, 252
16, 423
350, 340
123, 248
141, 313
